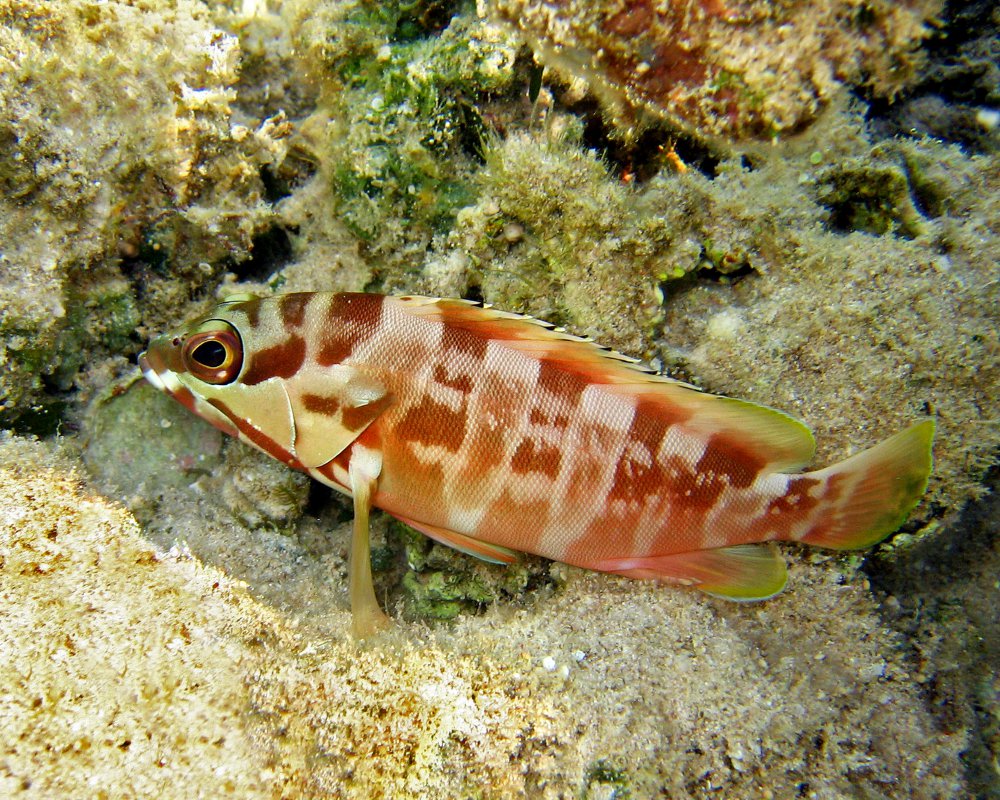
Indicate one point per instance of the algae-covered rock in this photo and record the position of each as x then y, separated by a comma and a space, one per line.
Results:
140, 442
557, 234
441, 583
867, 197
259, 490
731, 70
579, 249
958, 91
44, 352
398, 136
116, 141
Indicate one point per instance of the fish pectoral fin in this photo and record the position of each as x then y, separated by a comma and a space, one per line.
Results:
332, 407
368, 617
740, 572
493, 553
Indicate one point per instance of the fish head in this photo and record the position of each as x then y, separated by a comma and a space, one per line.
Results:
204, 365
260, 369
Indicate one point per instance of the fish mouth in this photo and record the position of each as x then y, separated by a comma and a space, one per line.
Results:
158, 367
150, 374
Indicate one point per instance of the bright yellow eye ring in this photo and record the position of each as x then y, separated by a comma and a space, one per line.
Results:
213, 353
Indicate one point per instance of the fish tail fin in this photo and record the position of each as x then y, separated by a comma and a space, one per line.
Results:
869, 495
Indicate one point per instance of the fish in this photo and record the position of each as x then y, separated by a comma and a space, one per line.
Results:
496, 433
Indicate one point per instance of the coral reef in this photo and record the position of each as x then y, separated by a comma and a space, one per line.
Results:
732, 69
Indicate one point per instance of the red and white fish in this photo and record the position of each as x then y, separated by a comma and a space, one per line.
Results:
495, 433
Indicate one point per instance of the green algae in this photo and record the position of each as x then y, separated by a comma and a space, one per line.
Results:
408, 138
606, 781
442, 595
440, 583
100, 318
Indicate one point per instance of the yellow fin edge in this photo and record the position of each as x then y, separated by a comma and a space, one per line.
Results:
739, 572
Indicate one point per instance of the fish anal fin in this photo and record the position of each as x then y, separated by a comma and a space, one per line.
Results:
331, 408
493, 553
739, 572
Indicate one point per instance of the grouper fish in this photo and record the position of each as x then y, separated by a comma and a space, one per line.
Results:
495, 433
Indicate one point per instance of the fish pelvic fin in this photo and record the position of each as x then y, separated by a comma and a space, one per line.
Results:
367, 616
873, 492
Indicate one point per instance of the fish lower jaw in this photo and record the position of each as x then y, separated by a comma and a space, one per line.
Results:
150, 374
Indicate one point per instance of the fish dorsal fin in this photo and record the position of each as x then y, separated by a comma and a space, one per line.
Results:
331, 407
784, 444
740, 572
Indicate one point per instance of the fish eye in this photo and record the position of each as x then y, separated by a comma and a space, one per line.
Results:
213, 353
210, 354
